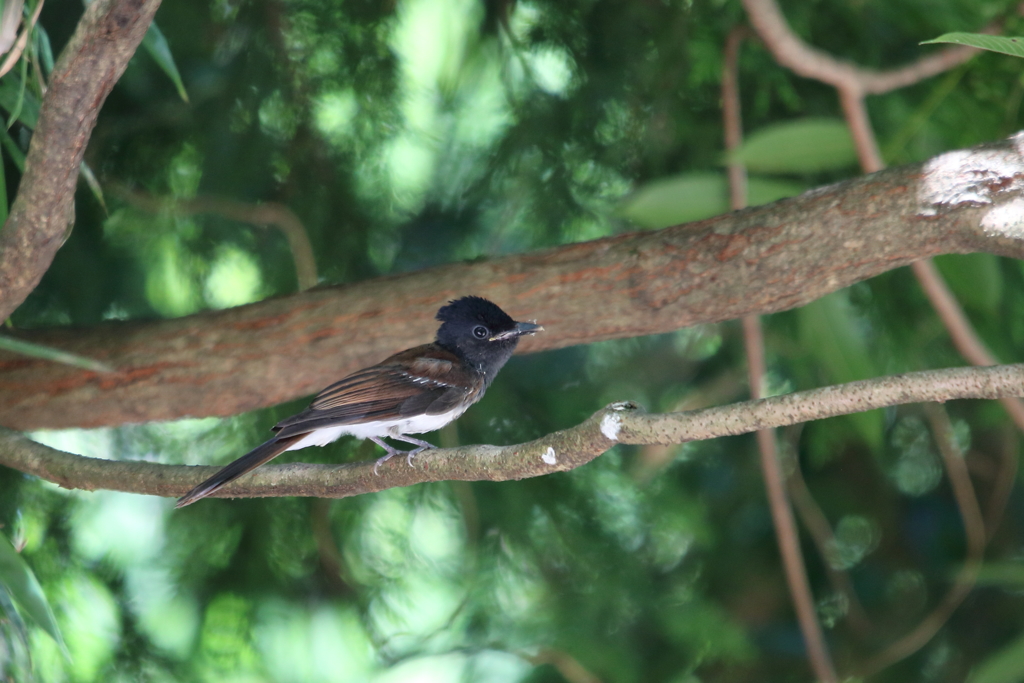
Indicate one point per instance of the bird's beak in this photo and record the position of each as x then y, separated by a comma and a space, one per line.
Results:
518, 331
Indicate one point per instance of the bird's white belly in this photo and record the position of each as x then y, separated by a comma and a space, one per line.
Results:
409, 425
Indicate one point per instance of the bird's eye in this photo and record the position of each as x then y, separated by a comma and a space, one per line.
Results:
480, 332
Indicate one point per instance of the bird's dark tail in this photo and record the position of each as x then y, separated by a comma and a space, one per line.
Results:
250, 461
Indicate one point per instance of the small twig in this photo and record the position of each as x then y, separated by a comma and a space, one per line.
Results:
792, 52
263, 214
568, 666
961, 332
960, 329
331, 560
821, 533
1006, 479
863, 135
974, 529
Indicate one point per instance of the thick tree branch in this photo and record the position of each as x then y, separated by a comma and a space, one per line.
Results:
759, 260
557, 452
44, 209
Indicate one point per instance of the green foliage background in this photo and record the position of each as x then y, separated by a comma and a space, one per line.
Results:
421, 132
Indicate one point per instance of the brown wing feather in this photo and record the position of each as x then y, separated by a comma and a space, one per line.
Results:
426, 379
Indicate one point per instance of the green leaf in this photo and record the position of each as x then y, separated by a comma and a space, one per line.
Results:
11, 93
1005, 666
20, 102
21, 583
695, 196
157, 47
830, 332
8, 609
13, 151
802, 146
18, 660
24, 107
43, 48
56, 355
767, 190
1007, 45
677, 199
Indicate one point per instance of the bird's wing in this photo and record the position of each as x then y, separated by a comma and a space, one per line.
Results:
424, 380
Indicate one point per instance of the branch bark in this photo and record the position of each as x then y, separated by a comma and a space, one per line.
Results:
44, 210
557, 452
759, 260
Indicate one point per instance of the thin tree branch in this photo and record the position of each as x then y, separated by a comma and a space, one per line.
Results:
792, 52
263, 214
565, 664
818, 527
960, 329
789, 541
1005, 480
782, 516
864, 141
43, 211
760, 260
557, 452
786, 532
974, 529
723, 388
332, 562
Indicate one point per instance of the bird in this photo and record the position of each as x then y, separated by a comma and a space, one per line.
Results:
412, 392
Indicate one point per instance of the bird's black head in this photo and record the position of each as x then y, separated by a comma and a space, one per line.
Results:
480, 332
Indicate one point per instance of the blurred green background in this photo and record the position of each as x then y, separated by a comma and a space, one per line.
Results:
418, 132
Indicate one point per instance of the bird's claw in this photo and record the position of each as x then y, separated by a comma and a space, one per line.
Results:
379, 462
409, 455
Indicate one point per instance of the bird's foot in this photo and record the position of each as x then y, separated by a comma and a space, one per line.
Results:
420, 444
392, 451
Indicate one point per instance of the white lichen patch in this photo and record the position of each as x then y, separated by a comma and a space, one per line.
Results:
610, 426
980, 178
1005, 220
972, 177
549, 456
